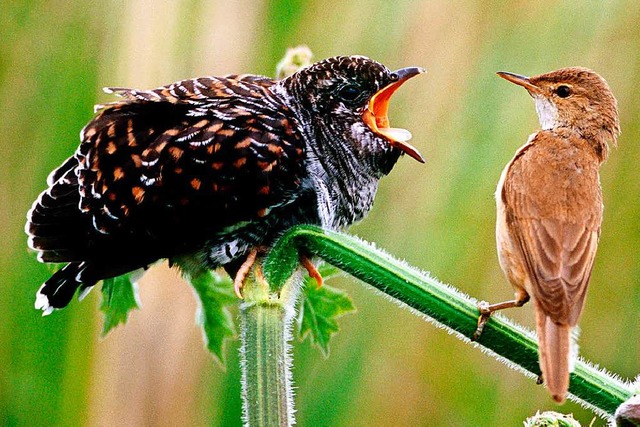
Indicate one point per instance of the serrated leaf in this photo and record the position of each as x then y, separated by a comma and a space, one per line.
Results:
214, 294
119, 296
319, 310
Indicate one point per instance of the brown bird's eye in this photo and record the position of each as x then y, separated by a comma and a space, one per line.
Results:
563, 91
349, 93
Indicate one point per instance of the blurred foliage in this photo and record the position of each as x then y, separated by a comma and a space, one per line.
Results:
387, 366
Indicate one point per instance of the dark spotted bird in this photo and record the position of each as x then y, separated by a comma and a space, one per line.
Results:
214, 169
550, 209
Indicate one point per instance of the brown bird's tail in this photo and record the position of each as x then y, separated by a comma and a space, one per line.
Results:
555, 353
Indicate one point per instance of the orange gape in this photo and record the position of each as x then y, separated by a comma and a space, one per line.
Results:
377, 118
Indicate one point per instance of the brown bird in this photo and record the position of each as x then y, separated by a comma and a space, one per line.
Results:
550, 208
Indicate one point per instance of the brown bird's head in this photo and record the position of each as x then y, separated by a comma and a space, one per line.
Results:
344, 102
574, 97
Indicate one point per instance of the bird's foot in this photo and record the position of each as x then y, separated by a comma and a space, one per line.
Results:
311, 269
487, 309
485, 313
245, 268
243, 271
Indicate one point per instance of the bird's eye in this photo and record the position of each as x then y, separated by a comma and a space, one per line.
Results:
563, 91
349, 93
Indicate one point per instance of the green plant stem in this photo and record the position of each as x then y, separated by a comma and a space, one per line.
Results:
267, 395
443, 304
265, 325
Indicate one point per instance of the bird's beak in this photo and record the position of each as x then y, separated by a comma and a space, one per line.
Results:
376, 114
523, 81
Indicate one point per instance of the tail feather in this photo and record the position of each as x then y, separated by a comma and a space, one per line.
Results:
555, 353
58, 291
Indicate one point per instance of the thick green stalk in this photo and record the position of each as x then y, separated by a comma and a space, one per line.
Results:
266, 318
442, 304
267, 393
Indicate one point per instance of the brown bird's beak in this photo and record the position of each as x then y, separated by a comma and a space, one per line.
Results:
523, 81
376, 114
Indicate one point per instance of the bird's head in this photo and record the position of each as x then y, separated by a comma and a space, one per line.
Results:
346, 99
573, 97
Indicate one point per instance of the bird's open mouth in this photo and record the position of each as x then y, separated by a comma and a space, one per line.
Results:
376, 114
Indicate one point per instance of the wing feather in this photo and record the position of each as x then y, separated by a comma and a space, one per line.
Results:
183, 161
554, 209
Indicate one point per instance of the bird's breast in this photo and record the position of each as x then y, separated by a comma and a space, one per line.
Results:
341, 199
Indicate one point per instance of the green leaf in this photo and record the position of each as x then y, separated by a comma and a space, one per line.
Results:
281, 262
319, 309
214, 294
119, 296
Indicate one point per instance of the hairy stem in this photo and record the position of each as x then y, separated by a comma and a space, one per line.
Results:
442, 304
266, 318
267, 394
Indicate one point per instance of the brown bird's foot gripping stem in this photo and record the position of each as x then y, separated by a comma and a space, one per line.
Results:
243, 271
487, 309
311, 269
245, 268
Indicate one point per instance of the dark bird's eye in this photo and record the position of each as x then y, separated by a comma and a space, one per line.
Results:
563, 91
349, 93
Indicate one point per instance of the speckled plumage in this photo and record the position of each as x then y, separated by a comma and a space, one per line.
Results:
209, 168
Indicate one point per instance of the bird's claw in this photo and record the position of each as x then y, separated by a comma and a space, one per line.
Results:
311, 269
485, 314
243, 271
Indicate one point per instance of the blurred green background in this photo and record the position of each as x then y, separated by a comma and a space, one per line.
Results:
387, 367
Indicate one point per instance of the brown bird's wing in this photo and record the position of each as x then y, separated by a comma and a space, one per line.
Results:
553, 205
193, 158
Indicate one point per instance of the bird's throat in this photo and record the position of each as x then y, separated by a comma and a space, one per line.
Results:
547, 112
